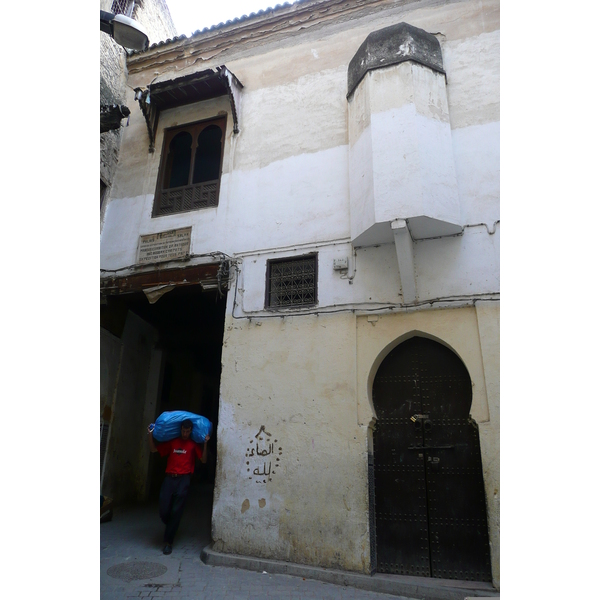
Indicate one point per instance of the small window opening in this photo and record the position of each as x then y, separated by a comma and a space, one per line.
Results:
292, 282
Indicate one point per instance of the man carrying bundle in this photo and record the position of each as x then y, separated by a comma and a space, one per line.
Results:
182, 453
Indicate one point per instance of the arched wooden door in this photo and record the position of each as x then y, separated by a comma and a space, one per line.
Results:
430, 510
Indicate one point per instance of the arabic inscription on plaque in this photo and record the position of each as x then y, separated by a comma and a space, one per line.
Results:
164, 246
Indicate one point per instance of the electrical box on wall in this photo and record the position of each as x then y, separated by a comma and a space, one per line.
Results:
340, 264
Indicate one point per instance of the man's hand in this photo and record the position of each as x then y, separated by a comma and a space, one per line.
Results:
151, 443
207, 437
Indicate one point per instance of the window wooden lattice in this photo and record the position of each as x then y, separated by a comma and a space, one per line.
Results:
191, 197
292, 282
190, 172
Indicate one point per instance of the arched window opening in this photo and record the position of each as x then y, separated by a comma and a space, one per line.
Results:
190, 168
208, 155
178, 161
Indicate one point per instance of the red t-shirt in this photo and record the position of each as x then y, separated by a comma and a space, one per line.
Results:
182, 455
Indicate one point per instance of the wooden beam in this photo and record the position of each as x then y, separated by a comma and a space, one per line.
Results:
139, 281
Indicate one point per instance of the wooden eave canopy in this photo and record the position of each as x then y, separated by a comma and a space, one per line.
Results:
138, 282
204, 85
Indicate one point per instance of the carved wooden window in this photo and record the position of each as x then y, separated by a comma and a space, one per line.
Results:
190, 172
292, 282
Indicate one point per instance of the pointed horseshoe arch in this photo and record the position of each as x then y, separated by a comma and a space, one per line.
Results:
428, 502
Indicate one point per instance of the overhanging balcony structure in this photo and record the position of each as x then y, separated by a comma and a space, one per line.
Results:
403, 183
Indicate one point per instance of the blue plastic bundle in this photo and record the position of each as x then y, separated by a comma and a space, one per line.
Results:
168, 426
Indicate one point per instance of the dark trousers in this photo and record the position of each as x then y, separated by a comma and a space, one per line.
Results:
173, 493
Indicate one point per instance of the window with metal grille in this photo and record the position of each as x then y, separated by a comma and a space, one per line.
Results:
190, 171
292, 282
122, 7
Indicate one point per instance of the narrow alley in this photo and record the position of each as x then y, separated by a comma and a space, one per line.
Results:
132, 564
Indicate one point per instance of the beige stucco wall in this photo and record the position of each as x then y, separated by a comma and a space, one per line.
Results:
308, 381
488, 321
294, 376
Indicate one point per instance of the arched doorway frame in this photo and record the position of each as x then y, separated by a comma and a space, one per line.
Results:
470, 538
392, 330
459, 330
391, 346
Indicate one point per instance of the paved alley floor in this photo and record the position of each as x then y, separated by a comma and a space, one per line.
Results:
132, 564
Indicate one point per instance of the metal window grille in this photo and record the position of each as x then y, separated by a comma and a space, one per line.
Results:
292, 282
122, 7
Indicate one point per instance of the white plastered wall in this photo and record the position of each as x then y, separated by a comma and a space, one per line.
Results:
287, 171
285, 186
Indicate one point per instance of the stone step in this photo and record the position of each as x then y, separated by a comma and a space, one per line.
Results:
403, 586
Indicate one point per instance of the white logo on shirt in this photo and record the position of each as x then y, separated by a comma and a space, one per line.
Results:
179, 451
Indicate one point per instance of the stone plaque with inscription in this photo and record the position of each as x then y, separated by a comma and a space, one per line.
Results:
164, 246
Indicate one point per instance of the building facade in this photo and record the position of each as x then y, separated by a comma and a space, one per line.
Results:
302, 243
156, 20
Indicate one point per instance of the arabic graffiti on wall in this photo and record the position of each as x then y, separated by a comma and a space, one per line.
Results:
262, 457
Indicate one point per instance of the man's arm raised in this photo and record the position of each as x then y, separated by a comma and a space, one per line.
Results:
205, 450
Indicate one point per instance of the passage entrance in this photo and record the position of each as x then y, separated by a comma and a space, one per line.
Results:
430, 510
171, 360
